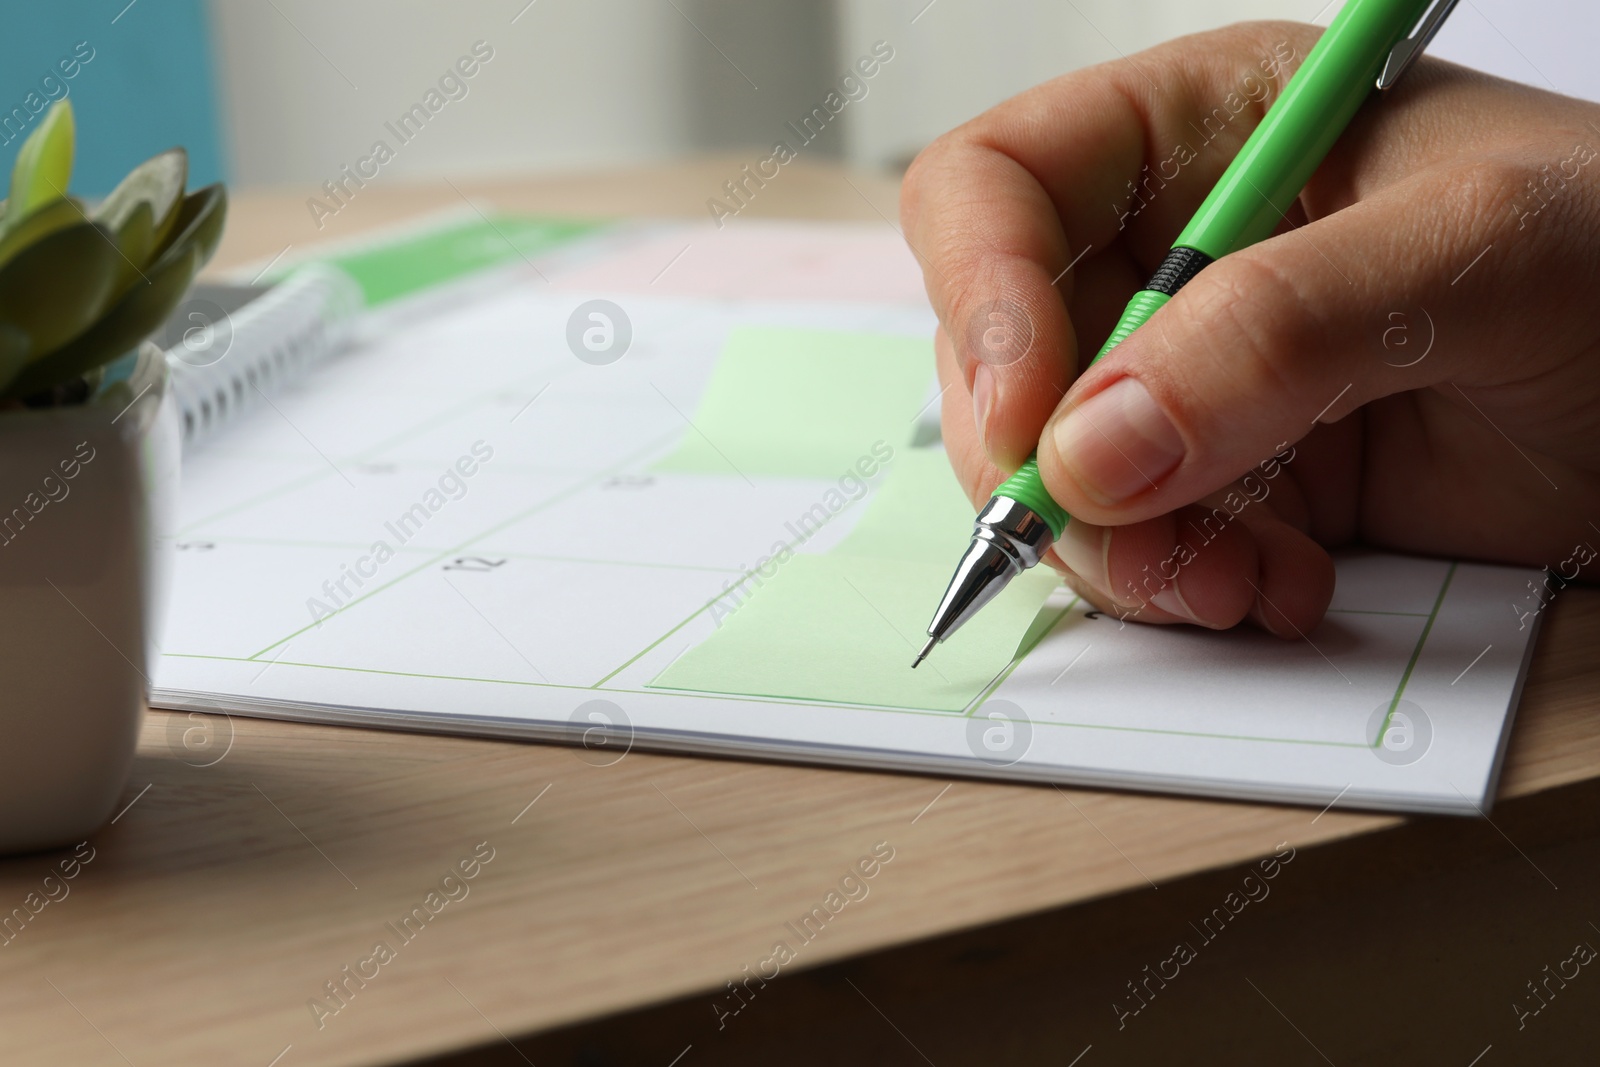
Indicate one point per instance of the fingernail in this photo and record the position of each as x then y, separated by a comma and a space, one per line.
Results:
1083, 548
1118, 442
1170, 600
982, 401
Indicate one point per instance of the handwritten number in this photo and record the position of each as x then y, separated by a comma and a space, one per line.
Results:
474, 563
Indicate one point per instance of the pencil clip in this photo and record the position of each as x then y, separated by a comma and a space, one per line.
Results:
1406, 52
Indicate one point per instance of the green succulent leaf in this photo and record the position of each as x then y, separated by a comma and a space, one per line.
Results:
199, 223
136, 246
44, 164
76, 293
135, 317
56, 215
156, 186
54, 289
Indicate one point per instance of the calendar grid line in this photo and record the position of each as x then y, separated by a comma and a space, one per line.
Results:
549, 501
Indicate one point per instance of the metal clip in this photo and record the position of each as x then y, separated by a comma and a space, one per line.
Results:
1406, 52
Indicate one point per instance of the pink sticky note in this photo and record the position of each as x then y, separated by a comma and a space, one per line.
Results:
751, 259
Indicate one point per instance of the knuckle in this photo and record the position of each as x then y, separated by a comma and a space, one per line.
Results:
1547, 196
914, 186
1490, 189
929, 172
1270, 48
1267, 35
1253, 323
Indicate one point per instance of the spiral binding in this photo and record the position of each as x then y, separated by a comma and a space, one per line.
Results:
270, 341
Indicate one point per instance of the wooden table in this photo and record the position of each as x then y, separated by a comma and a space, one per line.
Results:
223, 898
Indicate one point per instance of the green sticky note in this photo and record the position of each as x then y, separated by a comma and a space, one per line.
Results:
804, 403
844, 629
393, 269
918, 513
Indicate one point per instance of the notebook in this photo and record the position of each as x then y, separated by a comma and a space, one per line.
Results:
662, 486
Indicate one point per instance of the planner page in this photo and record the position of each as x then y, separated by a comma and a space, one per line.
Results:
681, 489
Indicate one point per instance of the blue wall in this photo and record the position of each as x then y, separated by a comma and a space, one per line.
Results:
146, 86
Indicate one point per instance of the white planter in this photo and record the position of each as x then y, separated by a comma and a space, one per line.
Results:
87, 495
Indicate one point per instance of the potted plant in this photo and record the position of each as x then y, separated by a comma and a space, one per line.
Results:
88, 471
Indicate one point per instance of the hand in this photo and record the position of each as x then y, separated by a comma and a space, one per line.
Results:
1416, 344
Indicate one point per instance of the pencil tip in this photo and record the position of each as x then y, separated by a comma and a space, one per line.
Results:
924, 653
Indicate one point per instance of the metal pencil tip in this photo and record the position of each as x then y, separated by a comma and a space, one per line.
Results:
924, 653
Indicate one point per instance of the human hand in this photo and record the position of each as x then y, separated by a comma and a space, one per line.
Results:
1409, 362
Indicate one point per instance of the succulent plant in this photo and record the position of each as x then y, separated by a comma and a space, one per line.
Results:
79, 288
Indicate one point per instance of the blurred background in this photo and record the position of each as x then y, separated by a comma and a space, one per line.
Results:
285, 93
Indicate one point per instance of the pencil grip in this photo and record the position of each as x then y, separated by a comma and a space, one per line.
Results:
1026, 486
1139, 309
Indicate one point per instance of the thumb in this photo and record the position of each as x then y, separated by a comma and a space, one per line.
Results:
1259, 348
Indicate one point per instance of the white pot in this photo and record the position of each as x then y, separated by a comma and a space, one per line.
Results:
88, 494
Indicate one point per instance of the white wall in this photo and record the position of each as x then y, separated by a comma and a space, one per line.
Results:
593, 83
960, 58
1544, 43
571, 84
